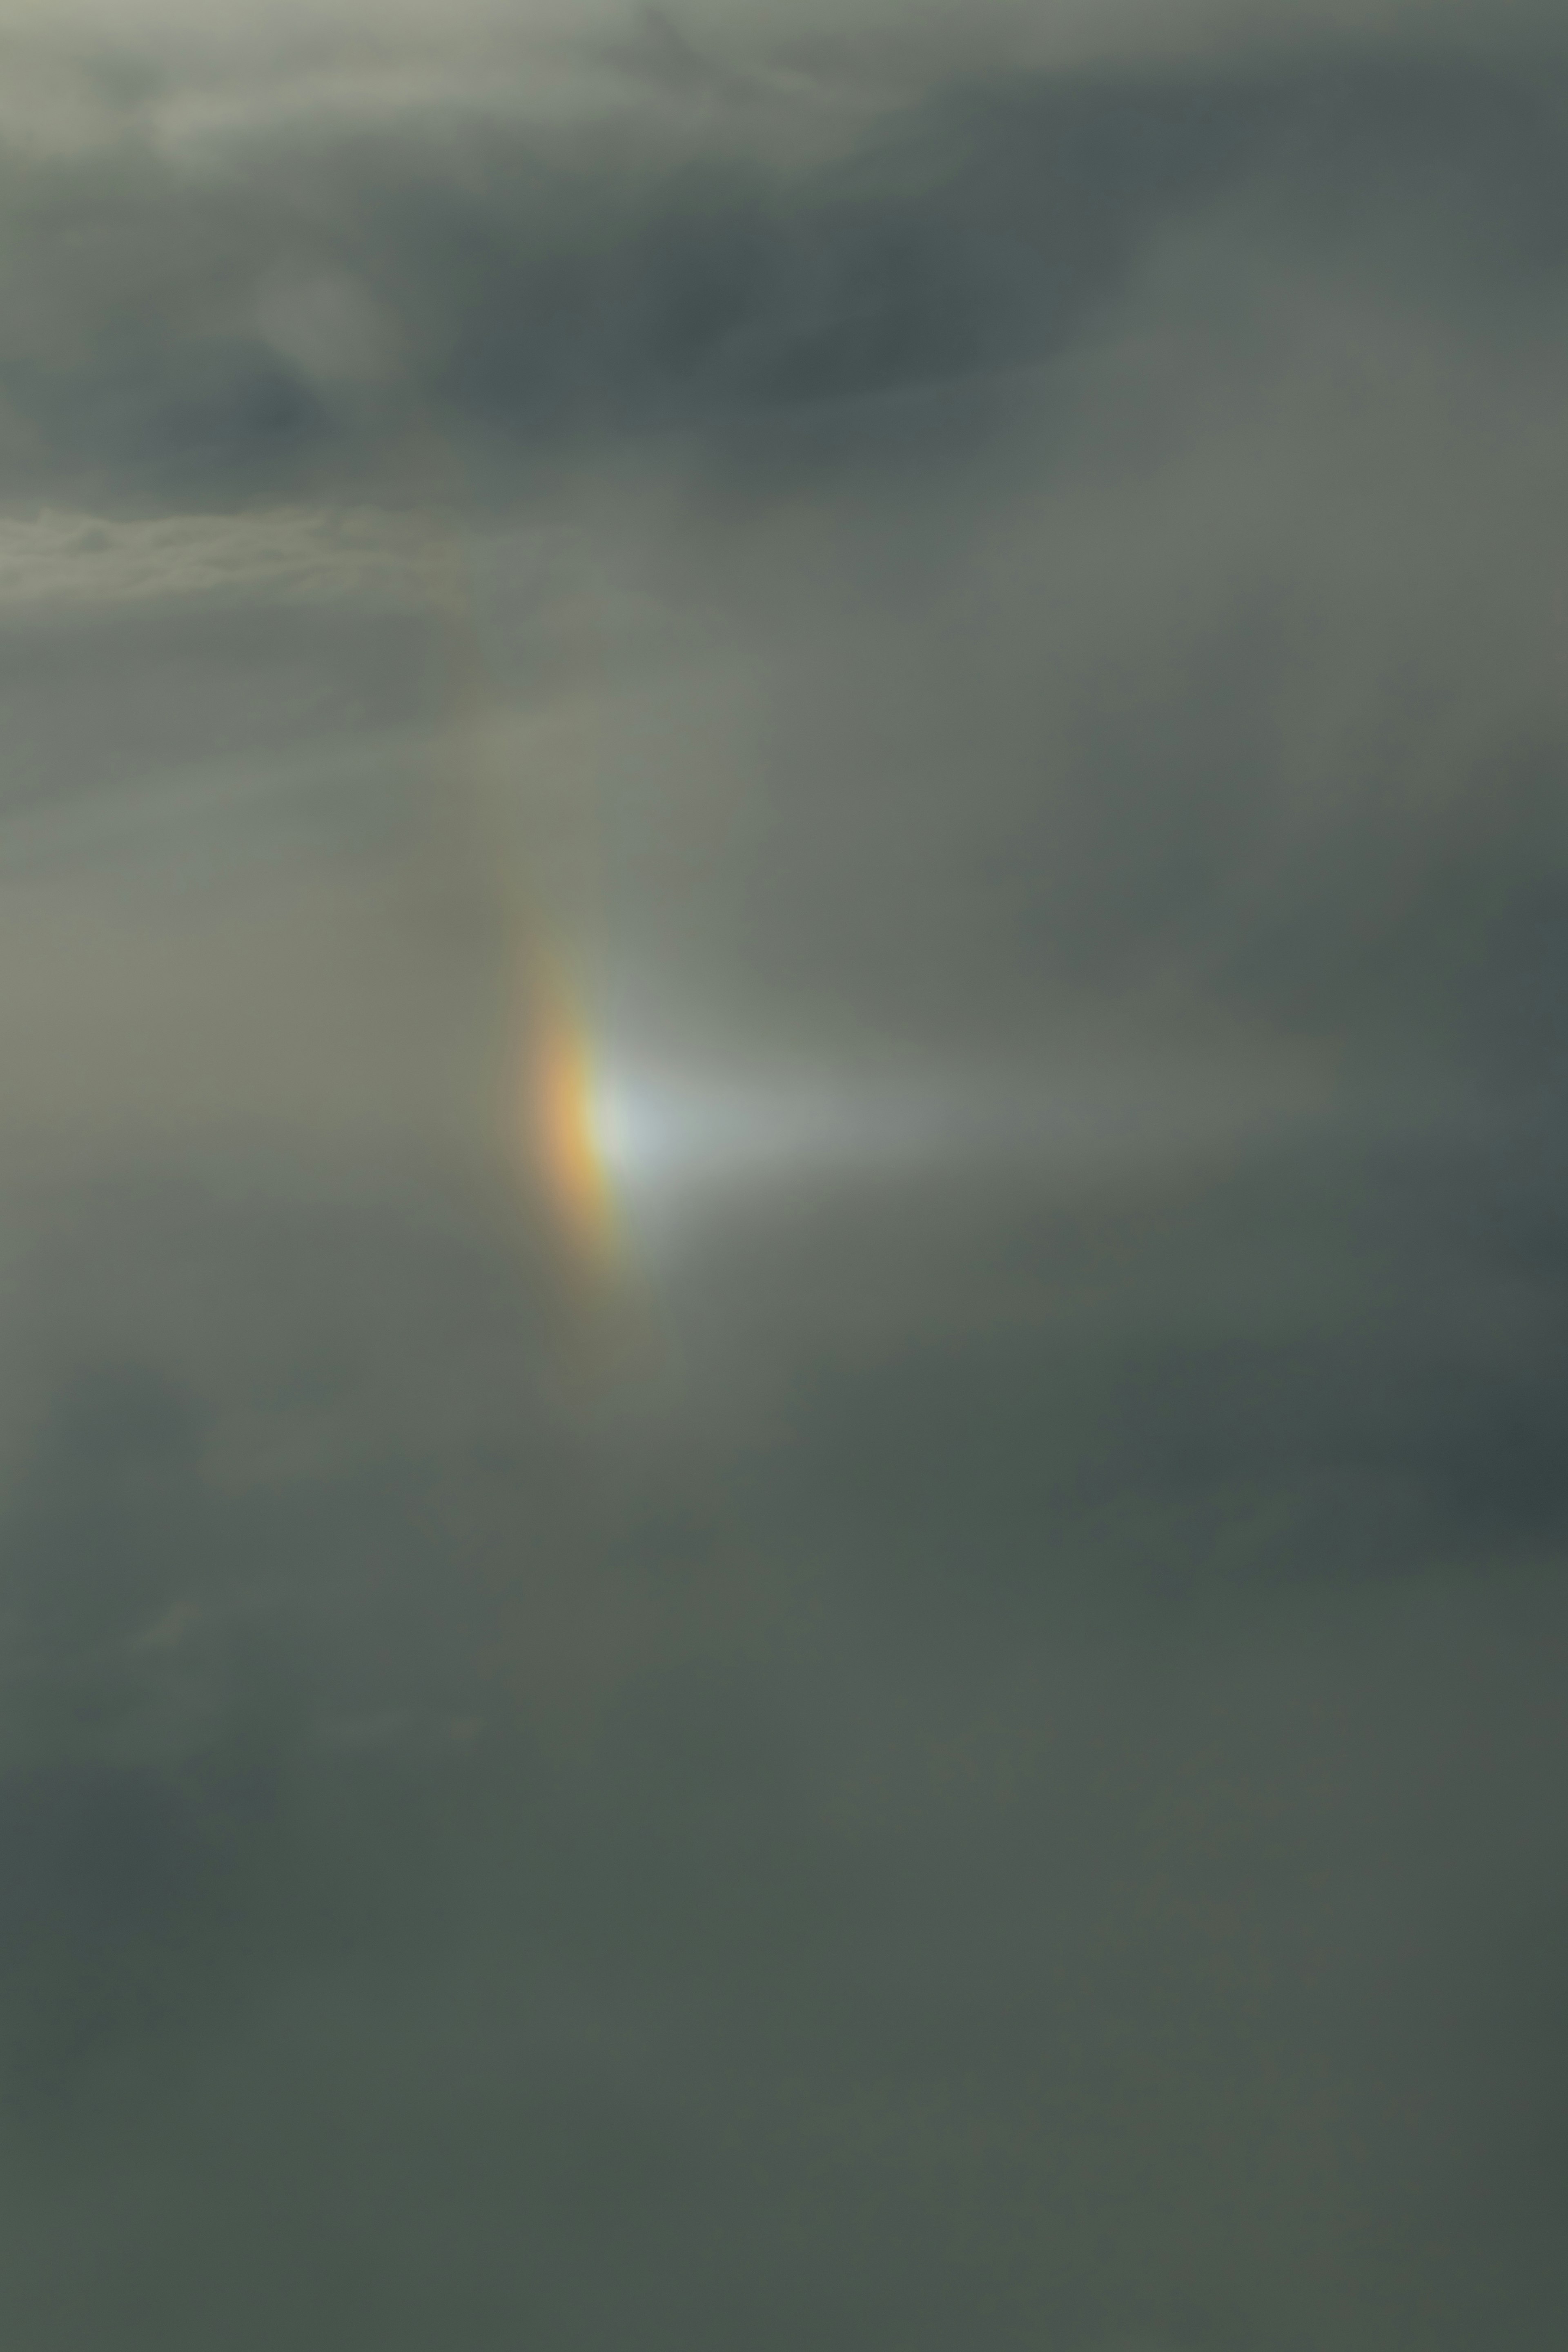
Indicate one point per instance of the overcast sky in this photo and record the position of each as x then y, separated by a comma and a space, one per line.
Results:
957, 1743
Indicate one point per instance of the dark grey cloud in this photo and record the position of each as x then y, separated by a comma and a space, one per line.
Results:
549, 281
876, 1947
974, 1755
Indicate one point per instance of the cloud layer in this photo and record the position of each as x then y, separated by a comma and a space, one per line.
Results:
974, 1754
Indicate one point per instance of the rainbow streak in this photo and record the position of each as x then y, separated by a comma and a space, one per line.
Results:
551, 1115
563, 1131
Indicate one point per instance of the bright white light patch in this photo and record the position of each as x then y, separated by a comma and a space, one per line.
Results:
672, 1140
662, 1131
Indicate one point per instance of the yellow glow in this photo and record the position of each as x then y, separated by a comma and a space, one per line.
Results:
566, 1145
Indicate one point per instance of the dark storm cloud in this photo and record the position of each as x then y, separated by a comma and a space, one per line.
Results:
983, 1761
874, 1967
546, 279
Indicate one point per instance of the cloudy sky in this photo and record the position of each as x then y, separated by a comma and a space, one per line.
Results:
784, 874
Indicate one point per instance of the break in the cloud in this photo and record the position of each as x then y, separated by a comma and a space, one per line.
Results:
976, 1757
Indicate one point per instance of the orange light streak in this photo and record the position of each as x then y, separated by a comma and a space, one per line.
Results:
563, 1128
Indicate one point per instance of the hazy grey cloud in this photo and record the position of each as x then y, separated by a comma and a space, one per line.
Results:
970, 1750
